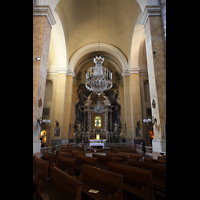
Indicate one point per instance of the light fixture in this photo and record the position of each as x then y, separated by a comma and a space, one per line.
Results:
152, 120
98, 78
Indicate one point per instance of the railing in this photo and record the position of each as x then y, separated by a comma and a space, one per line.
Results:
139, 148
46, 150
148, 151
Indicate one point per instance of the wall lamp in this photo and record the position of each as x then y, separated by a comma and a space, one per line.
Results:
152, 120
40, 121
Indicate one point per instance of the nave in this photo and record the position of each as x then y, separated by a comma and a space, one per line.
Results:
115, 173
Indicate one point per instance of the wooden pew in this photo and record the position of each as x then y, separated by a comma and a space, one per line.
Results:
136, 181
66, 164
50, 158
75, 153
82, 159
134, 156
158, 172
116, 157
107, 183
40, 170
64, 154
156, 161
60, 186
102, 160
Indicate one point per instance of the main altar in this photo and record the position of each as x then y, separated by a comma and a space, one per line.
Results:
91, 125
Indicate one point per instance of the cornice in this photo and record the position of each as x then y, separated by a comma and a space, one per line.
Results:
42, 10
150, 11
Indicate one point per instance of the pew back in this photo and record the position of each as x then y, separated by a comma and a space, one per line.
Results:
61, 185
66, 164
82, 159
102, 180
158, 171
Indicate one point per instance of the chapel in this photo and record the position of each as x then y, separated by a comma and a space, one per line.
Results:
99, 87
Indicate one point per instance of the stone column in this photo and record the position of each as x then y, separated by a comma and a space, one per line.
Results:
106, 120
155, 51
60, 103
42, 21
136, 103
68, 104
128, 107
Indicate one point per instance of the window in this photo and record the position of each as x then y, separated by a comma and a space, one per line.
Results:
97, 122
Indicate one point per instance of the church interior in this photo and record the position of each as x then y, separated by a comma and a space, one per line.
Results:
99, 99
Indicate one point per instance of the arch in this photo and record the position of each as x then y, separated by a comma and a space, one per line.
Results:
137, 36
80, 53
60, 45
51, 3
143, 3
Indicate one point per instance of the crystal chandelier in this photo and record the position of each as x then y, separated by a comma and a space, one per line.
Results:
98, 78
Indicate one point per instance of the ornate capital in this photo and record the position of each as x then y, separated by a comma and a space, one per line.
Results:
43, 10
150, 11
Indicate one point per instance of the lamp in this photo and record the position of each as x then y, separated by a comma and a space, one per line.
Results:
152, 120
98, 78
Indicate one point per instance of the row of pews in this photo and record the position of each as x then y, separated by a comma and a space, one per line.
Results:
120, 175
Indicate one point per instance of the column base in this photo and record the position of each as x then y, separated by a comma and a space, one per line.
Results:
159, 145
36, 147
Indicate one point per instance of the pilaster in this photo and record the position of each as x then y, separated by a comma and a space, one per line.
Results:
156, 57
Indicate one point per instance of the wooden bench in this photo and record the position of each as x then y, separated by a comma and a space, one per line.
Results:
107, 183
102, 160
134, 156
156, 161
50, 157
66, 164
40, 170
116, 157
158, 172
75, 153
64, 154
82, 159
60, 186
136, 181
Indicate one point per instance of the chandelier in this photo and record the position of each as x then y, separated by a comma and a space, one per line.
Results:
98, 78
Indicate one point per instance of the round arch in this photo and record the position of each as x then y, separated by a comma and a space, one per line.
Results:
60, 45
87, 49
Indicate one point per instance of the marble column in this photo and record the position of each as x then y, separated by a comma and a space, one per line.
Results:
163, 17
42, 21
128, 107
68, 105
136, 102
155, 51
60, 103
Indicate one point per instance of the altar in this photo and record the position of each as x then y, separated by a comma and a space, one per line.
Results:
97, 143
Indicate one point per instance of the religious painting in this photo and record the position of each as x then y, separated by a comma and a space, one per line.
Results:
97, 122
57, 131
138, 131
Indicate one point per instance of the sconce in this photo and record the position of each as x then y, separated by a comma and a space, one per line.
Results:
152, 120
41, 121
57, 123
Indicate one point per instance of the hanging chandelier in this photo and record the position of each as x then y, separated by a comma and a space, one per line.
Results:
98, 78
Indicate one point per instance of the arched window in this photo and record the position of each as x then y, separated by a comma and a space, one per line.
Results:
97, 122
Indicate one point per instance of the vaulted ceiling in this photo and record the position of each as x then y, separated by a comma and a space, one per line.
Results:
116, 19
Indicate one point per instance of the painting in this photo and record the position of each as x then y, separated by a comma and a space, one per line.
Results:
138, 131
57, 131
